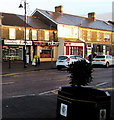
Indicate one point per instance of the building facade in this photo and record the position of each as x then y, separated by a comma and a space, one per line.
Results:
41, 41
78, 35
50, 34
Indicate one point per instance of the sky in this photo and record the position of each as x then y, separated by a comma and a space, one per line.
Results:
74, 7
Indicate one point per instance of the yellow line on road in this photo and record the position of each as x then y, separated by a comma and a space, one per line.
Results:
10, 74
106, 88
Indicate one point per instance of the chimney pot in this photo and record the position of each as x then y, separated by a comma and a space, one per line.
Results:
59, 9
92, 16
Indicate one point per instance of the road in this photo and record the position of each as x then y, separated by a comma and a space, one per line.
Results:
27, 94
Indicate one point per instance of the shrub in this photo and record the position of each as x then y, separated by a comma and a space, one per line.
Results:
80, 73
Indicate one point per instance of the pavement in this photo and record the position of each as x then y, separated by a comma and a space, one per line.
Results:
18, 66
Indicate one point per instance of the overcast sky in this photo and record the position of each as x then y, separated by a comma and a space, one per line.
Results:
75, 7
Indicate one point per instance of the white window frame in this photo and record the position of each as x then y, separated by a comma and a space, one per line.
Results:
88, 35
107, 37
98, 36
46, 35
27, 34
80, 34
12, 33
34, 34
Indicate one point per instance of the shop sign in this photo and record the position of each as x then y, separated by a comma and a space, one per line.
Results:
40, 43
17, 42
73, 44
46, 43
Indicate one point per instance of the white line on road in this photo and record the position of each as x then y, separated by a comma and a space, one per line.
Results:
101, 84
47, 92
19, 96
6, 83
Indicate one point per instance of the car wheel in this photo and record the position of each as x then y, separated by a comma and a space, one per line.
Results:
59, 68
107, 64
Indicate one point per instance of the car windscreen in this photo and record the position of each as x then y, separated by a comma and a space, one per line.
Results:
100, 57
62, 57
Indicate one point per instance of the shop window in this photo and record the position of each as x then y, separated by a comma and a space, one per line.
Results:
46, 52
12, 53
78, 50
12, 33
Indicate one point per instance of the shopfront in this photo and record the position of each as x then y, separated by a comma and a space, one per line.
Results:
98, 49
46, 50
14, 49
72, 48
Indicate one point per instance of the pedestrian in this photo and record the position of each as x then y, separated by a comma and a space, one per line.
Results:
94, 54
90, 58
38, 60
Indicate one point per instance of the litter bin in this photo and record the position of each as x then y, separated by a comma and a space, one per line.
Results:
81, 103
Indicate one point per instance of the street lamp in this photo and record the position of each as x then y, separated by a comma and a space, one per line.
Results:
25, 47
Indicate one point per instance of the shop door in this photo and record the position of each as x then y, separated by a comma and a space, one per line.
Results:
67, 50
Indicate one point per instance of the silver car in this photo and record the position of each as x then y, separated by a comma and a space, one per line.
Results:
105, 60
64, 61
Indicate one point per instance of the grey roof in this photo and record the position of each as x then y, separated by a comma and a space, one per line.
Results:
12, 20
63, 18
18, 20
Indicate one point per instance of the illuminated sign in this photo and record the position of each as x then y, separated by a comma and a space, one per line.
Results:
17, 42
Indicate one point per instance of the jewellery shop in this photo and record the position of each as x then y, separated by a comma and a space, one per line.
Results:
14, 49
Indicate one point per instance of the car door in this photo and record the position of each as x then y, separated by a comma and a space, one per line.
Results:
73, 59
110, 59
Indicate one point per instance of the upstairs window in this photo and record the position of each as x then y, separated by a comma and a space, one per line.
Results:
27, 34
89, 35
34, 34
47, 35
107, 37
98, 36
12, 33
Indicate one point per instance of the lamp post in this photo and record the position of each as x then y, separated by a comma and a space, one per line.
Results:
25, 47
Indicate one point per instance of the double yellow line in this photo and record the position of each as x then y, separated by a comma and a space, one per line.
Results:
10, 74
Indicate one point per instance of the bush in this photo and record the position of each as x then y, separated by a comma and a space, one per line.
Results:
80, 73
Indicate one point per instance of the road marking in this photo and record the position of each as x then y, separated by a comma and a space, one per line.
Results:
6, 83
18, 73
101, 84
106, 88
19, 96
55, 91
10, 74
50, 91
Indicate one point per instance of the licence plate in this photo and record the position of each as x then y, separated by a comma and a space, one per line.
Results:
61, 61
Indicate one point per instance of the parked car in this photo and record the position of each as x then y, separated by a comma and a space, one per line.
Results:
64, 61
105, 60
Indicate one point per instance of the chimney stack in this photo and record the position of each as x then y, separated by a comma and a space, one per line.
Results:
59, 9
92, 16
